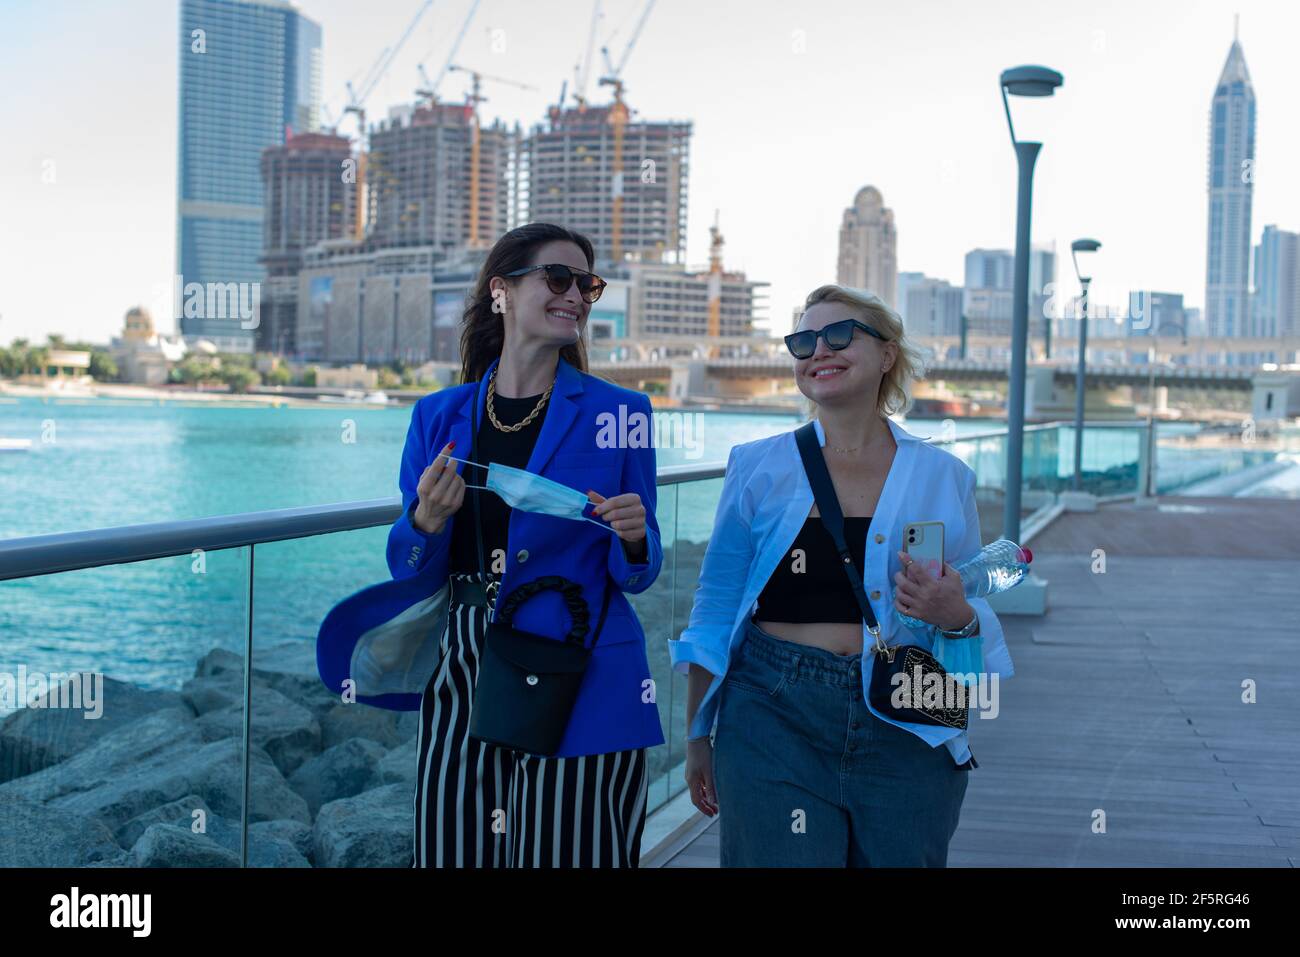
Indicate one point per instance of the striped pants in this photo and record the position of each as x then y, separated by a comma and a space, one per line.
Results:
477, 805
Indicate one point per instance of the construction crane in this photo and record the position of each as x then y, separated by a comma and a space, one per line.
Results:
581, 74
429, 89
618, 117
473, 99
357, 104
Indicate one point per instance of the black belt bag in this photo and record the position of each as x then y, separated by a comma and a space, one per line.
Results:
916, 663
527, 684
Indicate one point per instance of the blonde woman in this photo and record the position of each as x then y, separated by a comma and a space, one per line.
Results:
781, 735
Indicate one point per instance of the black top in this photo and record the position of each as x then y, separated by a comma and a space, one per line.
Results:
813, 587
508, 448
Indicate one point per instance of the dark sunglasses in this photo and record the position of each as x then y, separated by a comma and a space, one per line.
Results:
559, 277
838, 335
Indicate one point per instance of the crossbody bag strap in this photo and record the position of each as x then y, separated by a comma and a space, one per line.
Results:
488, 591
819, 477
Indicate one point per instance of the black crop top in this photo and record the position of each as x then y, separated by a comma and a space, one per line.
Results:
508, 448
812, 587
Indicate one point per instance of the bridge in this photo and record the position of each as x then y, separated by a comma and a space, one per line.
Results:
1272, 392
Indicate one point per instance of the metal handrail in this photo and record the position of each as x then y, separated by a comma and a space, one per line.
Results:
70, 551
36, 555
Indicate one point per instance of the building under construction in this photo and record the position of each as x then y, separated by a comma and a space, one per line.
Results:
622, 184
436, 177
305, 202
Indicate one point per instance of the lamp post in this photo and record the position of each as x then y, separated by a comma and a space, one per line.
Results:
1021, 81
1087, 247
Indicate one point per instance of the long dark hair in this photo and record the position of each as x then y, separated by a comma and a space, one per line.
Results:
482, 332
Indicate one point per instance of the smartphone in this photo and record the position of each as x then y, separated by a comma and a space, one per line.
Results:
924, 542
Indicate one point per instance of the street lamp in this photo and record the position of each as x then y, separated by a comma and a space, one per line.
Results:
1021, 81
1087, 247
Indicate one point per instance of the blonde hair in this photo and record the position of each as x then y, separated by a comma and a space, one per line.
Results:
895, 387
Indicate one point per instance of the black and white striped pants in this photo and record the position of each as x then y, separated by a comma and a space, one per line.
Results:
477, 805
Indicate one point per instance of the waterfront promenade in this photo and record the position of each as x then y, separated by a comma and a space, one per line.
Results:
1127, 698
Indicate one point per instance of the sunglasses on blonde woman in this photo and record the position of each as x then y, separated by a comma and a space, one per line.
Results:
838, 335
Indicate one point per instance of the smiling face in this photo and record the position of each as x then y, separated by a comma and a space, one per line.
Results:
536, 316
849, 376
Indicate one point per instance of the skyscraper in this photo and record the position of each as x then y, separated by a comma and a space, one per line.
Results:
928, 306
1276, 303
988, 291
869, 246
1231, 186
249, 71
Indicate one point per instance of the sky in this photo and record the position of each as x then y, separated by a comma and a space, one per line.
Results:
795, 107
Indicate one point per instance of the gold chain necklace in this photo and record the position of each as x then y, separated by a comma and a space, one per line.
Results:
492, 388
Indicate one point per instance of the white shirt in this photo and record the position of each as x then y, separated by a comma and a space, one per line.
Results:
766, 498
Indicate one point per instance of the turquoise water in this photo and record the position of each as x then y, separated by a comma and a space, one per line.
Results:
95, 463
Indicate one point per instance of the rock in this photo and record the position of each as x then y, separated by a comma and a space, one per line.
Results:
408, 723
294, 833
170, 813
155, 760
373, 829
35, 835
33, 738
398, 766
167, 845
289, 668
284, 730
344, 722
121, 859
339, 772
214, 692
265, 848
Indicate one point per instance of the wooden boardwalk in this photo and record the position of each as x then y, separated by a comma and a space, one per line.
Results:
1128, 695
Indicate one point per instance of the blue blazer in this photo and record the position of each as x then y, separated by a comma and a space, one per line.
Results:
616, 707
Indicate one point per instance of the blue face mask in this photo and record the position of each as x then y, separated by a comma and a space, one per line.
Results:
536, 493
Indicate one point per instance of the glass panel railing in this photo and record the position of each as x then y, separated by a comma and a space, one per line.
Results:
121, 741
654, 607
697, 505
332, 781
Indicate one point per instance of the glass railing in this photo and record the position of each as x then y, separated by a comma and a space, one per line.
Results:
132, 731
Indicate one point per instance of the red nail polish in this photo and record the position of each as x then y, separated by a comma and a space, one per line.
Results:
451, 445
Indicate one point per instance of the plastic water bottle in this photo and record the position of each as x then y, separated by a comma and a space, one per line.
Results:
996, 567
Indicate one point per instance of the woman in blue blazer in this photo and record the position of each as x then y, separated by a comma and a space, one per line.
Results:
782, 737
523, 366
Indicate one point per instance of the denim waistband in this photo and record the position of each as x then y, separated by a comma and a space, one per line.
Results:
806, 661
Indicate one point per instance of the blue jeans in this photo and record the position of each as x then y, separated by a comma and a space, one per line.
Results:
806, 776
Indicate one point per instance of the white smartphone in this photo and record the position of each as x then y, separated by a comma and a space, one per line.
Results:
924, 542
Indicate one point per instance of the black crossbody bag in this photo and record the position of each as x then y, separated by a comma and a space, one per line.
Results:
888, 661
527, 684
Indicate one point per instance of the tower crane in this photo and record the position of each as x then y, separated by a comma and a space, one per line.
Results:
429, 88
618, 117
473, 99
357, 104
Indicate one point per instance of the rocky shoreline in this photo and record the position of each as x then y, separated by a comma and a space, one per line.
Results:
157, 780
